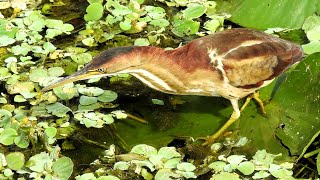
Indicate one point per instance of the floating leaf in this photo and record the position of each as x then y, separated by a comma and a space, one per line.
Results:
262, 14
82, 58
37, 75
15, 160
94, 12
141, 42
144, 149
51, 132
185, 27
246, 168
172, 163
225, 175
184, 166
38, 162
168, 152
166, 174
22, 141
7, 136
51, 33
19, 98
58, 109
194, 11
65, 92
121, 165
217, 166
55, 71
125, 25
108, 119
86, 100
5, 40
107, 96
63, 167
260, 175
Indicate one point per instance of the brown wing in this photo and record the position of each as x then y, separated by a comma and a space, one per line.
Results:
250, 57
249, 66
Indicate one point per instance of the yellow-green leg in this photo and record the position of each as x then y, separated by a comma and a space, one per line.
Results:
235, 115
255, 96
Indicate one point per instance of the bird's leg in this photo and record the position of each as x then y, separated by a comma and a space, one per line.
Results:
255, 96
235, 115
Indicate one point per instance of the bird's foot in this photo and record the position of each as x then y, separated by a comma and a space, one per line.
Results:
211, 139
254, 96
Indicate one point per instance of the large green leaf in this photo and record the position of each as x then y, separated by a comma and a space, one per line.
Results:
269, 13
299, 101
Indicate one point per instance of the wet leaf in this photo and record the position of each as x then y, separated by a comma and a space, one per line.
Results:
165, 174
225, 176
94, 12
194, 11
299, 100
63, 167
37, 75
218, 166
38, 162
246, 168
144, 149
22, 141
57, 109
81, 59
262, 14
168, 152
263, 158
5, 40
121, 165
141, 42
15, 160
7, 136
55, 71
260, 175
19, 98
107, 96
236, 159
125, 25
51, 132
312, 47
108, 119
186, 167
172, 163
86, 100
65, 92
185, 27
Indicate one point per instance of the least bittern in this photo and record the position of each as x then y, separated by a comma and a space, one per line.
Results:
233, 64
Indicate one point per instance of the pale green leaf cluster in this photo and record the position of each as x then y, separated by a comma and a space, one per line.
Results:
42, 165
108, 20
262, 165
311, 27
149, 163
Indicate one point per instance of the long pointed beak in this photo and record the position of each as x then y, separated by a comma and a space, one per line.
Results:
80, 75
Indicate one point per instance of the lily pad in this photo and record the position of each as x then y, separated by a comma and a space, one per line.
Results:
299, 101
262, 14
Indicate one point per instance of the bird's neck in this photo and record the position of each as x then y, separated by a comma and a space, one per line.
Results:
171, 71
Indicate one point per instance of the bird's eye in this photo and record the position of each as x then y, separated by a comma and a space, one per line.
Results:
102, 70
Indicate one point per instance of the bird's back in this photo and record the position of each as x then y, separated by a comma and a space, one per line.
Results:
246, 58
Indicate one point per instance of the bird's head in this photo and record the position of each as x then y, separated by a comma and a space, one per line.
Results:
110, 62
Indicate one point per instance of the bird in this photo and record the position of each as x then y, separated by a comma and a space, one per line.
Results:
232, 64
